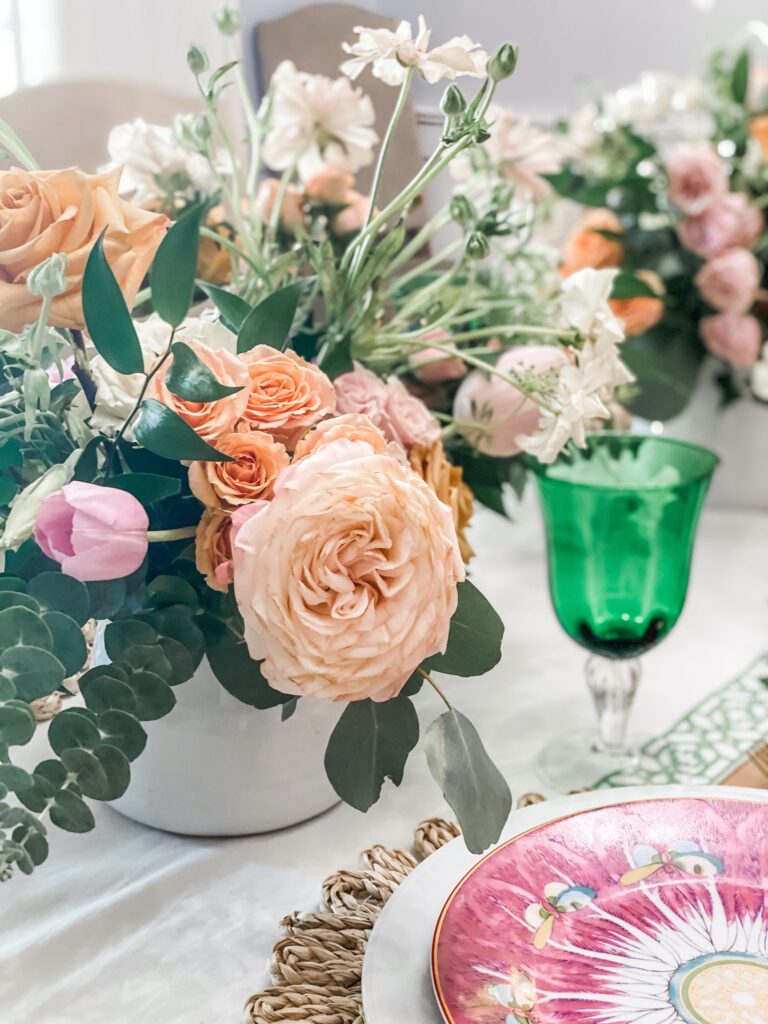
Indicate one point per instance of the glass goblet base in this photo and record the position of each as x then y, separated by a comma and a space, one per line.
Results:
577, 760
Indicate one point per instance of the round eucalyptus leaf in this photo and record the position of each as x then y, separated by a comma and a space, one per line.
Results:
34, 843
88, 772
68, 641
170, 590
117, 770
56, 592
53, 772
154, 697
15, 599
121, 637
151, 659
7, 689
101, 693
183, 665
71, 813
15, 778
34, 672
17, 723
121, 730
111, 671
71, 729
20, 627
13, 583
15, 853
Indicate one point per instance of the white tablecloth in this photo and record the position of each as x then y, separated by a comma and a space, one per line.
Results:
127, 924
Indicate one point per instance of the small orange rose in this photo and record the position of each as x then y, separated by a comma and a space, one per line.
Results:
758, 129
330, 185
258, 459
213, 549
47, 212
291, 211
641, 312
588, 248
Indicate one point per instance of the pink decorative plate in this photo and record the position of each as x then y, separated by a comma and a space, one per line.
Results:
652, 912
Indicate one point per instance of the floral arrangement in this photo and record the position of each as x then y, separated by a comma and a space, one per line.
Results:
247, 470
674, 173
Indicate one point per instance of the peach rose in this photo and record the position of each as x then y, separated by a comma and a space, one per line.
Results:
447, 481
730, 221
641, 312
351, 219
292, 210
47, 212
735, 337
251, 477
758, 129
209, 419
431, 365
730, 281
497, 414
331, 186
347, 579
287, 394
587, 248
350, 427
213, 549
697, 177
398, 414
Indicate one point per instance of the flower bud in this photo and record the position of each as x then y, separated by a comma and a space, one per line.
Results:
227, 21
478, 246
503, 63
453, 103
193, 131
49, 278
462, 210
197, 60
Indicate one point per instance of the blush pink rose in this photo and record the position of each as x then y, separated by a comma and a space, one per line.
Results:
432, 365
330, 185
735, 337
292, 210
349, 427
730, 281
497, 414
697, 178
347, 579
398, 414
728, 222
94, 533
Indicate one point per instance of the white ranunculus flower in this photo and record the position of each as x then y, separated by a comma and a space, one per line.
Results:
391, 53
148, 153
116, 393
318, 121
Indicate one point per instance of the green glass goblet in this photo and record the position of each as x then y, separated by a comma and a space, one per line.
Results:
620, 519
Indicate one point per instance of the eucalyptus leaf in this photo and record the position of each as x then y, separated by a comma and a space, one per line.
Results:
740, 77
121, 637
471, 783
13, 584
154, 697
68, 641
55, 592
116, 768
151, 659
109, 322
11, 599
35, 844
124, 732
271, 321
474, 640
166, 434
73, 728
370, 743
87, 770
14, 778
170, 590
35, 673
103, 693
189, 378
71, 813
233, 309
240, 675
17, 723
172, 277
21, 627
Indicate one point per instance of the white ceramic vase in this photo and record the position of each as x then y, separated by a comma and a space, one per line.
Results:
216, 767
736, 433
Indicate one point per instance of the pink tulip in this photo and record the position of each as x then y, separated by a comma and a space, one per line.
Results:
94, 533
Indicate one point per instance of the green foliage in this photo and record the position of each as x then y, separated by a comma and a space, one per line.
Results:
148, 488
166, 434
172, 277
271, 321
740, 77
238, 673
189, 378
474, 641
109, 321
233, 309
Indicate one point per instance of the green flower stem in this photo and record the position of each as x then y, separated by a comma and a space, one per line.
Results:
420, 239
426, 676
499, 331
142, 296
402, 99
38, 335
82, 369
277, 209
230, 246
254, 129
180, 533
12, 144
425, 267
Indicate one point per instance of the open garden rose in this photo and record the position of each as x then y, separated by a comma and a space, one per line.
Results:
401, 416
94, 533
730, 281
258, 459
730, 221
347, 579
586, 247
735, 337
349, 427
46, 212
209, 419
697, 177
286, 395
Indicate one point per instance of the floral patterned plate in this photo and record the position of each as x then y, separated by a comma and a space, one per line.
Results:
650, 912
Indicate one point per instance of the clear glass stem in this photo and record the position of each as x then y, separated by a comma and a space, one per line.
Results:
613, 684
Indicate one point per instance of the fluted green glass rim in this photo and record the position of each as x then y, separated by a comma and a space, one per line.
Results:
541, 470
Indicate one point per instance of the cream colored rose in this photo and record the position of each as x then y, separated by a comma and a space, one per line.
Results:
347, 579
45, 212
258, 459
350, 427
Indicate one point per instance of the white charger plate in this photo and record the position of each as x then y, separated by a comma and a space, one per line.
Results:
397, 980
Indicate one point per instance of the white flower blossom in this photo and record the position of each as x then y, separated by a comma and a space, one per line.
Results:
759, 377
151, 157
23, 510
316, 121
390, 54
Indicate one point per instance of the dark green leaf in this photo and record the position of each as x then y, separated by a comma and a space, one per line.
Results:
240, 675
12, 584
740, 77
12, 599
15, 778
68, 641
232, 308
121, 637
172, 277
109, 322
124, 732
7, 490
666, 362
71, 813
34, 672
471, 783
627, 285
10, 454
102, 693
151, 659
33, 842
165, 433
289, 709
270, 322
7, 690
106, 597
17, 723
23, 628
146, 487
335, 357
88, 772
73, 727
371, 742
474, 641
170, 590
189, 378
154, 697
116, 768
182, 663
55, 592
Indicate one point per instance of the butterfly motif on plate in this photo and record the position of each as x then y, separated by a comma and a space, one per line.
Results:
518, 996
684, 855
559, 899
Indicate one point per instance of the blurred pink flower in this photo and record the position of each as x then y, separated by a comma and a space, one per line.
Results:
730, 281
730, 221
431, 365
398, 414
697, 177
94, 533
735, 337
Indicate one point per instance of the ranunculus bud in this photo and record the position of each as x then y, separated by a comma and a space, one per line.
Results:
49, 278
227, 21
453, 103
193, 132
478, 246
503, 63
462, 210
197, 60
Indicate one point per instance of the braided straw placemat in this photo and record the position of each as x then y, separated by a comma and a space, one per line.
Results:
317, 964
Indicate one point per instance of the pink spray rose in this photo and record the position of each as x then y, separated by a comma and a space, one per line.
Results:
730, 281
398, 414
94, 533
728, 222
697, 177
433, 366
503, 410
735, 337
348, 578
